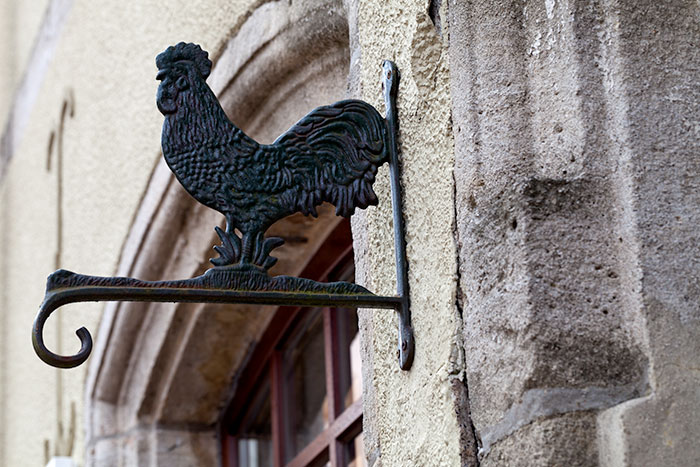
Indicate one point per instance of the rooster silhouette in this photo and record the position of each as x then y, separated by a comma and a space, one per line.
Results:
330, 155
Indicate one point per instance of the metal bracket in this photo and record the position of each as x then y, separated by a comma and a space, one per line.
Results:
330, 155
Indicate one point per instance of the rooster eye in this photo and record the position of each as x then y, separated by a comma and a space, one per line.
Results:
181, 83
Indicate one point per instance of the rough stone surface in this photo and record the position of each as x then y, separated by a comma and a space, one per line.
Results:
658, 92
531, 445
411, 418
576, 190
169, 446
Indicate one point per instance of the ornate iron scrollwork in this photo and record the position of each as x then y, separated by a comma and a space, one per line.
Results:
330, 155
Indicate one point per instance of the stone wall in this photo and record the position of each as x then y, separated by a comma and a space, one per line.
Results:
576, 188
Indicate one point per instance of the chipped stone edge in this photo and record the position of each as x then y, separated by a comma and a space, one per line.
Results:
539, 403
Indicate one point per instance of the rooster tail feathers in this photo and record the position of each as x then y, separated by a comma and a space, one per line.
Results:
334, 153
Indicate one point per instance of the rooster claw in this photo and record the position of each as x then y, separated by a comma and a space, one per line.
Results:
263, 247
231, 248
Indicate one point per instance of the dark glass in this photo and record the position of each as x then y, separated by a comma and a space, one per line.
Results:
355, 452
305, 385
349, 367
255, 437
347, 341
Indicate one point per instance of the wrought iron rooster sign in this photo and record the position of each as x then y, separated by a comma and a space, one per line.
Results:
330, 155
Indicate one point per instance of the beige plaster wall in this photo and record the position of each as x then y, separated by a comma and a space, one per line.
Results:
3, 308
105, 56
6, 58
19, 24
411, 418
104, 59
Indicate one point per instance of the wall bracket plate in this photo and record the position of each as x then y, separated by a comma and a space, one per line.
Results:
331, 155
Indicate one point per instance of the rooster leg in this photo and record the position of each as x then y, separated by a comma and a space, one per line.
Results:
247, 247
230, 229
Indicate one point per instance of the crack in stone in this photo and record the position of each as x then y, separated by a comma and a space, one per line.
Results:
464, 414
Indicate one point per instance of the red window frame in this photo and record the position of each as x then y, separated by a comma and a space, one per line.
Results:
344, 423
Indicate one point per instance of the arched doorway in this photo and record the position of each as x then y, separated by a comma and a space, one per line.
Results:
161, 374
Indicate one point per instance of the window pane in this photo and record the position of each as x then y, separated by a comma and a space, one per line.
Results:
254, 452
305, 386
255, 436
347, 342
355, 452
350, 377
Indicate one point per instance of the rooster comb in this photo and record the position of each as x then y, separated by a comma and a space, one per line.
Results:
185, 52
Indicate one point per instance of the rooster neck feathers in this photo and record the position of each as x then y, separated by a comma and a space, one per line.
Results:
198, 121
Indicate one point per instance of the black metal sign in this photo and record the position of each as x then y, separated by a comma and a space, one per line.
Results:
330, 155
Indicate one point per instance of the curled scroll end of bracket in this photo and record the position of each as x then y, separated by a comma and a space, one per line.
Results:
58, 361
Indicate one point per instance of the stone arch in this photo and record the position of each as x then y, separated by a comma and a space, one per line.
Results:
160, 374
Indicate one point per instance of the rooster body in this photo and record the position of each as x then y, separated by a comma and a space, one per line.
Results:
330, 155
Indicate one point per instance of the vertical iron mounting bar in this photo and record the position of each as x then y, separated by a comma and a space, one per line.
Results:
406, 340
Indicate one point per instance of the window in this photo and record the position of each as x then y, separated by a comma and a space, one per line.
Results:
298, 402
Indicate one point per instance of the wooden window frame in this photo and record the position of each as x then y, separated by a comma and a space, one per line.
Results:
267, 357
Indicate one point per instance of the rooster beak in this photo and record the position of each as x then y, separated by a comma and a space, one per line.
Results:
161, 75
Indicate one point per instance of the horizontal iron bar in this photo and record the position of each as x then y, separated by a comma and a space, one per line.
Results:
60, 297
